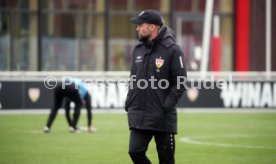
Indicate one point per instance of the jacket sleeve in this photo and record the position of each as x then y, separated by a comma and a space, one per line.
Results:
130, 90
178, 79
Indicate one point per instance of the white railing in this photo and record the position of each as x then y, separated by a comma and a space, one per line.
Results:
29, 75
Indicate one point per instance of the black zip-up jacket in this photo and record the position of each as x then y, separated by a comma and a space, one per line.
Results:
154, 107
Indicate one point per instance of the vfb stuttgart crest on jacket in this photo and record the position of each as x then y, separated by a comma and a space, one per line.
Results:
159, 62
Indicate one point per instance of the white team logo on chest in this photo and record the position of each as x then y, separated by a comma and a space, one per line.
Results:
138, 59
159, 62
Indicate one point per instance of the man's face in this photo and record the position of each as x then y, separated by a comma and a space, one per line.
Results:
144, 31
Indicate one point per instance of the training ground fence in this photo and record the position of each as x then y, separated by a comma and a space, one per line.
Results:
34, 90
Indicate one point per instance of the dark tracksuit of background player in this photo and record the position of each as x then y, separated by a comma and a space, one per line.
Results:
87, 99
152, 112
69, 92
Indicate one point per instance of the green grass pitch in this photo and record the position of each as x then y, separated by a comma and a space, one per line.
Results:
209, 138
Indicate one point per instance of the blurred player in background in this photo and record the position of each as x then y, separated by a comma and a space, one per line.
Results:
151, 110
71, 90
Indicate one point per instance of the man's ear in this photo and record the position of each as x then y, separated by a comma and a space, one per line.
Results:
152, 26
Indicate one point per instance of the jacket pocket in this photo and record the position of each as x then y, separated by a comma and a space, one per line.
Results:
169, 105
160, 97
130, 98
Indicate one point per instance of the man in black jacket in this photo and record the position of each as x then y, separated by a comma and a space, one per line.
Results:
157, 82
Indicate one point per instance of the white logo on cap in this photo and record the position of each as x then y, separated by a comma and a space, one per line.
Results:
141, 13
